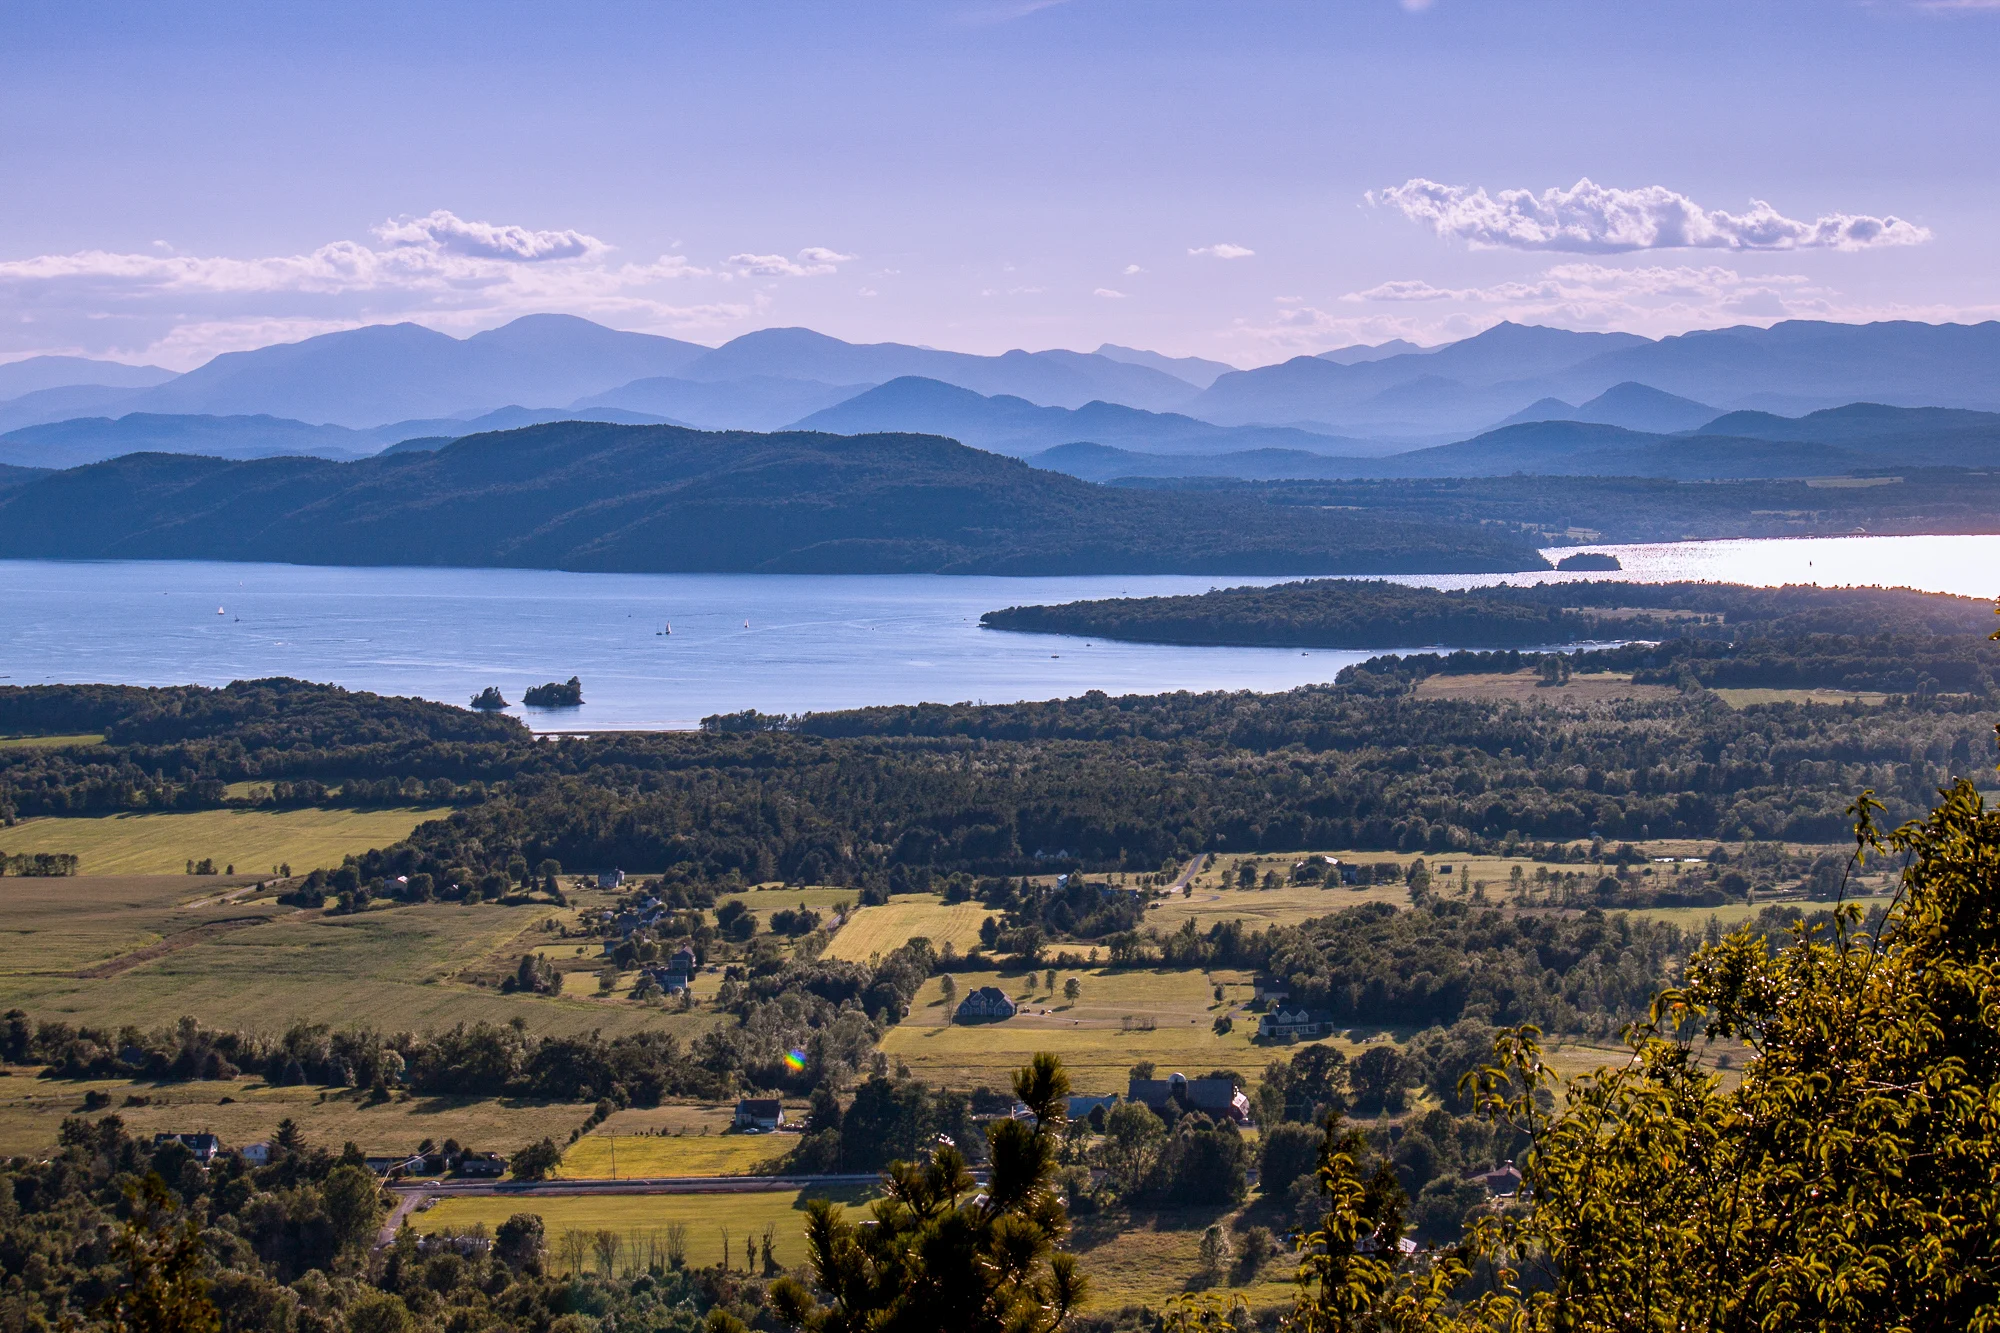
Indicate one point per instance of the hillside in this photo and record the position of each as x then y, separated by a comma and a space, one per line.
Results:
584, 496
1011, 425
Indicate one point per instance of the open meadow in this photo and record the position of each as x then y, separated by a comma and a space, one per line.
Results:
877, 930
256, 842
241, 1111
608, 1152
1122, 1017
111, 951
643, 1218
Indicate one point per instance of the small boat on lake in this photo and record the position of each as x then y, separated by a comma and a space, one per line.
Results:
663, 630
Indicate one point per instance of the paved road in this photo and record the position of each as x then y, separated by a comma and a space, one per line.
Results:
1188, 873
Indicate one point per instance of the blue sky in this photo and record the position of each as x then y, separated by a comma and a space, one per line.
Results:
1229, 181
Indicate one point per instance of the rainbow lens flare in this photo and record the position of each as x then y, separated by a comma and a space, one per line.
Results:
796, 1059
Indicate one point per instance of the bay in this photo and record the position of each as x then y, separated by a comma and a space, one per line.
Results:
777, 643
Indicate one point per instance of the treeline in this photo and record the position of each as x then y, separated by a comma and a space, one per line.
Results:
892, 797
112, 1231
1357, 613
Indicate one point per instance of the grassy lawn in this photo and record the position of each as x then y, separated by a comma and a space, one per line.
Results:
49, 742
706, 1217
254, 841
1150, 1258
32, 1110
874, 930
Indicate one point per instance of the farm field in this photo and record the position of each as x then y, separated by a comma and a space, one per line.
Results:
689, 1154
705, 1216
1092, 1037
1744, 698
397, 969
254, 841
873, 930
49, 742
55, 925
1602, 687
32, 1111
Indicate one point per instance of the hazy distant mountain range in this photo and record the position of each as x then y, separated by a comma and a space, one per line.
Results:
347, 394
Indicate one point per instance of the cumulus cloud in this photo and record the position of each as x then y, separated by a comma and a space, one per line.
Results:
447, 233
439, 269
1223, 251
812, 262
1589, 218
1109, 294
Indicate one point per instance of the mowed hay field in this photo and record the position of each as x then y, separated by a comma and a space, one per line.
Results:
254, 841
743, 1214
877, 930
32, 1111
65, 946
1099, 1038
597, 1155
1601, 687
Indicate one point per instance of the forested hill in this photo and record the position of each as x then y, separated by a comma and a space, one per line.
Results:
1352, 613
588, 496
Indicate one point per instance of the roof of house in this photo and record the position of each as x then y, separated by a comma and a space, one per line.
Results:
760, 1106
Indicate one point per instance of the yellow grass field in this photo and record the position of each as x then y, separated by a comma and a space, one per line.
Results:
1746, 697
1092, 1037
254, 841
705, 1216
874, 930
592, 1157
32, 1111
1522, 686
48, 742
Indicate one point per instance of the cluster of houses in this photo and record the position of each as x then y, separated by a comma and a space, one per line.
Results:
207, 1147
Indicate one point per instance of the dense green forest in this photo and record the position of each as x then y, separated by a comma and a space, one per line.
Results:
586, 496
890, 797
1356, 613
1646, 509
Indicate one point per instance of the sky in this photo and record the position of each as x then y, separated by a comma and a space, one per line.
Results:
1245, 182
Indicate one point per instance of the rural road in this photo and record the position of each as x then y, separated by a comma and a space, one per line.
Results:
1192, 869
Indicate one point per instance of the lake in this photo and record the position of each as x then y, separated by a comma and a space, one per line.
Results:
777, 643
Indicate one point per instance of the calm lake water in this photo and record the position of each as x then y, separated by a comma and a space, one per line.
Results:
779, 643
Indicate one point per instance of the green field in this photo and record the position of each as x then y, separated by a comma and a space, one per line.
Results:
32, 1111
705, 1216
254, 841
1744, 698
1099, 1038
877, 930
1152, 1258
49, 742
135, 949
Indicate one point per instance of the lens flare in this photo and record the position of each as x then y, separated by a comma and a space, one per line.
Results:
796, 1059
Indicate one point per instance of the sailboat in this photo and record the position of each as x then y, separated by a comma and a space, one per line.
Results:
218, 610
664, 629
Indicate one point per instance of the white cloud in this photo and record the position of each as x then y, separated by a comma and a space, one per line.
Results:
1109, 294
1589, 218
447, 233
812, 262
1130, 269
1223, 251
